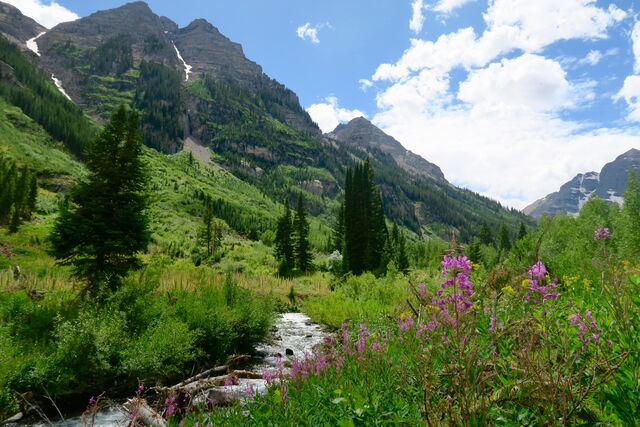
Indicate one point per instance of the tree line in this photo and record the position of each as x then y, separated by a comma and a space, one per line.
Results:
292, 246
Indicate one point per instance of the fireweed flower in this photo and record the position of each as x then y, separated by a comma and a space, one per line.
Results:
170, 406
92, 401
456, 270
406, 322
601, 233
540, 289
588, 330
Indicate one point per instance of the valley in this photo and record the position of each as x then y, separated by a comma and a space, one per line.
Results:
167, 208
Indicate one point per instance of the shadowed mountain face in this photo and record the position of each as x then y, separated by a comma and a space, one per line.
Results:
608, 185
16, 27
360, 132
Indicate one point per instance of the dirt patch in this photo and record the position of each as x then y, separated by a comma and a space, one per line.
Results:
198, 150
5, 251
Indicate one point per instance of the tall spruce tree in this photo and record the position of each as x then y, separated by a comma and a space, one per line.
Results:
284, 244
504, 239
486, 235
337, 235
365, 230
522, 233
301, 246
103, 225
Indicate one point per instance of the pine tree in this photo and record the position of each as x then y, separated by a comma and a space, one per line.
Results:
485, 235
207, 232
284, 244
504, 239
103, 226
301, 248
473, 252
365, 229
402, 260
337, 235
522, 233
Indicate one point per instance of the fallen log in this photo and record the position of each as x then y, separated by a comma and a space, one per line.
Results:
141, 412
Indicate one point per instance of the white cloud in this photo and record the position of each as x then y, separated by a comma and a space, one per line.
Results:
48, 14
511, 24
329, 114
502, 132
448, 6
528, 81
592, 58
513, 155
365, 84
630, 92
635, 43
417, 16
310, 32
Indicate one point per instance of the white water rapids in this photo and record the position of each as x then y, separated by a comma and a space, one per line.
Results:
292, 331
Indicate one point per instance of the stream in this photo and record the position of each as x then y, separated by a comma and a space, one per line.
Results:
293, 336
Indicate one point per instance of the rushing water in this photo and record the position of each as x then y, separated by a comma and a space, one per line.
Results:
292, 331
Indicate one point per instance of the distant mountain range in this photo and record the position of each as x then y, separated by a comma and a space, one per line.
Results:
609, 184
193, 84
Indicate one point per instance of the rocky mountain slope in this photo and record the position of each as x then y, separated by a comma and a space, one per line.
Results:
195, 84
16, 27
362, 133
609, 184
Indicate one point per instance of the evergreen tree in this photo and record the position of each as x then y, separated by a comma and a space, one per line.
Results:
401, 258
337, 235
365, 230
522, 233
486, 235
474, 253
504, 239
284, 244
631, 216
103, 226
207, 232
301, 248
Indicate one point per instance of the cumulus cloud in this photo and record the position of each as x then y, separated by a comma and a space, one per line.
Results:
47, 14
635, 43
630, 92
511, 24
528, 81
417, 16
448, 6
310, 32
502, 130
329, 114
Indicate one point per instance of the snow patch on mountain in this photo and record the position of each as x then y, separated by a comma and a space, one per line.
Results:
32, 45
187, 67
58, 84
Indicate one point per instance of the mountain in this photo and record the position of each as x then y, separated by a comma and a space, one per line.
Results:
608, 185
16, 27
362, 133
197, 91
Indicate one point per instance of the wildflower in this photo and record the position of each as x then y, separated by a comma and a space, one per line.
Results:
601, 233
140, 389
406, 322
268, 376
248, 391
170, 406
92, 401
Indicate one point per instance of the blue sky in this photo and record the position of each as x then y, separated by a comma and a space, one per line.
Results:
510, 97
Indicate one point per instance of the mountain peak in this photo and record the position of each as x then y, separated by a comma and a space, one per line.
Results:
17, 27
364, 134
609, 184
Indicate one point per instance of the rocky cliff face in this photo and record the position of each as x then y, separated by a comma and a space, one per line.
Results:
16, 27
609, 184
362, 133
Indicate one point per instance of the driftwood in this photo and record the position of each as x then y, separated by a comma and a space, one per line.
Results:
141, 412
194, 387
